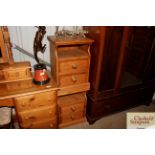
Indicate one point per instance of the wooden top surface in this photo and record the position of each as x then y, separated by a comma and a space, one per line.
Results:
7, 66
23, 87
69, 41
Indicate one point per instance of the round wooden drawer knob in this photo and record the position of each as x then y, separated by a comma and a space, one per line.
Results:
74, 66
50, 112
23, 104
32, 98
49, 99
74, 79
73, 108
72, 117
51, 125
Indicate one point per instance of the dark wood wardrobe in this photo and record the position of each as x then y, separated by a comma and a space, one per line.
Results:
122, 69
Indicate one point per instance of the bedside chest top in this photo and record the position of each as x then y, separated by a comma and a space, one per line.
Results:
24, 87
69, 41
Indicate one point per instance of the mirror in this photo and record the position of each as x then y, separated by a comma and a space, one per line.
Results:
5, 46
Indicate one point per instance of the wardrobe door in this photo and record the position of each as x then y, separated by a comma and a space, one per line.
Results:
140, 57
106, 54
110, 58
150, 72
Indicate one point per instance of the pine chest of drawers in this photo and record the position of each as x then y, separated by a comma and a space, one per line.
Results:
70, 60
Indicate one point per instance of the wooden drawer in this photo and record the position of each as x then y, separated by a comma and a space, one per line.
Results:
74, 66
73, 79
16, 74
43, 124
69, 100
37, 114
7, 102
69, 118
14, 86
16, 71
35, 101
72, 99
71, 107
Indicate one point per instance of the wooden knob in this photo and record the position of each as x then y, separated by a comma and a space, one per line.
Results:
50, 112
26, 118
72, 117
23, 104
49, 99
74, 79
32, 98
74, 66
51, 125
73, 108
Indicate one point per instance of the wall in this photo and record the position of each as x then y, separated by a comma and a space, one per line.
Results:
23, 36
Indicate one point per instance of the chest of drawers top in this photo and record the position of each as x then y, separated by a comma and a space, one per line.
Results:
69, 41
24, 87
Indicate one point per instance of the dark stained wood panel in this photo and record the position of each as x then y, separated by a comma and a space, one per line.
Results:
111, 55
122, 72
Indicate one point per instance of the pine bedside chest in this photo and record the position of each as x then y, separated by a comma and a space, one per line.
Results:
70, 60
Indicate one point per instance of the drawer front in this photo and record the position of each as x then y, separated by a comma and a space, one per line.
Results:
13, 86
37, 114
35, 101
43, 124
73, 79
72, 108
71, 100
76, 66
64, 118
17, 74
71, 113
7, 102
